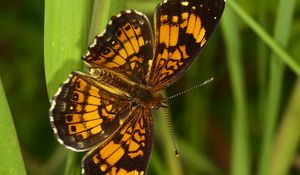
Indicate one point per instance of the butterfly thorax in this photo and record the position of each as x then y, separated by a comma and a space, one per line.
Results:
146, 98
139, 93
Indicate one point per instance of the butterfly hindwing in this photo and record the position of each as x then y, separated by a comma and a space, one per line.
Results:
127, 152
84, 114
182, 29
125, 46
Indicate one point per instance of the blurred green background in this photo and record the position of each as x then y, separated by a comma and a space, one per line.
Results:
244, 122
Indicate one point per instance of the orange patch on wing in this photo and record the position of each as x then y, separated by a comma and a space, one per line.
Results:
175, 55
90, 108
191, 24
123, 53
201, 35
116, 156
76, 128
72, 118
183, 51
107, 115
111, 64
92, 116
128, 48
133, 146
141, 41
108, 149
93, 123
174, 35
135, 154
164, 34
96, 130
93, 100
119, 60
197, 28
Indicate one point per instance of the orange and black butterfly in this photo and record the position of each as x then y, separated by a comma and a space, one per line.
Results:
107, 111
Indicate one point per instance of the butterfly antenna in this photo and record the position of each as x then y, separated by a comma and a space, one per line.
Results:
188, 90
171, 133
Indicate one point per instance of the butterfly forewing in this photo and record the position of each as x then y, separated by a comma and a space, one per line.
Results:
125, 47
182, 29
127, 152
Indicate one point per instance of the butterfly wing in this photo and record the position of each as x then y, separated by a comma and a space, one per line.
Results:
124, 47
127, 152
183, 28
86, 112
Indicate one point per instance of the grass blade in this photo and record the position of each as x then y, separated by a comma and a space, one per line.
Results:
102, 11
11, 161
144, 6
283, 55
282, 29
288, 137
200, 163
72, 164
164, 137
240, 157
262, 60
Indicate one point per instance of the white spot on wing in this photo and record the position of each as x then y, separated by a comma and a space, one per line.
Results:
185, 3
73, 149
87, 53
60, 141
139, 13
94, 43
55, 131
118, 15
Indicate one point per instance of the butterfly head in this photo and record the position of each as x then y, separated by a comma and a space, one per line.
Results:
158, 102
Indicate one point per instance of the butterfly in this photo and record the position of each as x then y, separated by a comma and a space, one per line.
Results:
108, 110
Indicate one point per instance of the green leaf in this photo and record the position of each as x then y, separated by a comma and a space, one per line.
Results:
11, 161
67, 25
